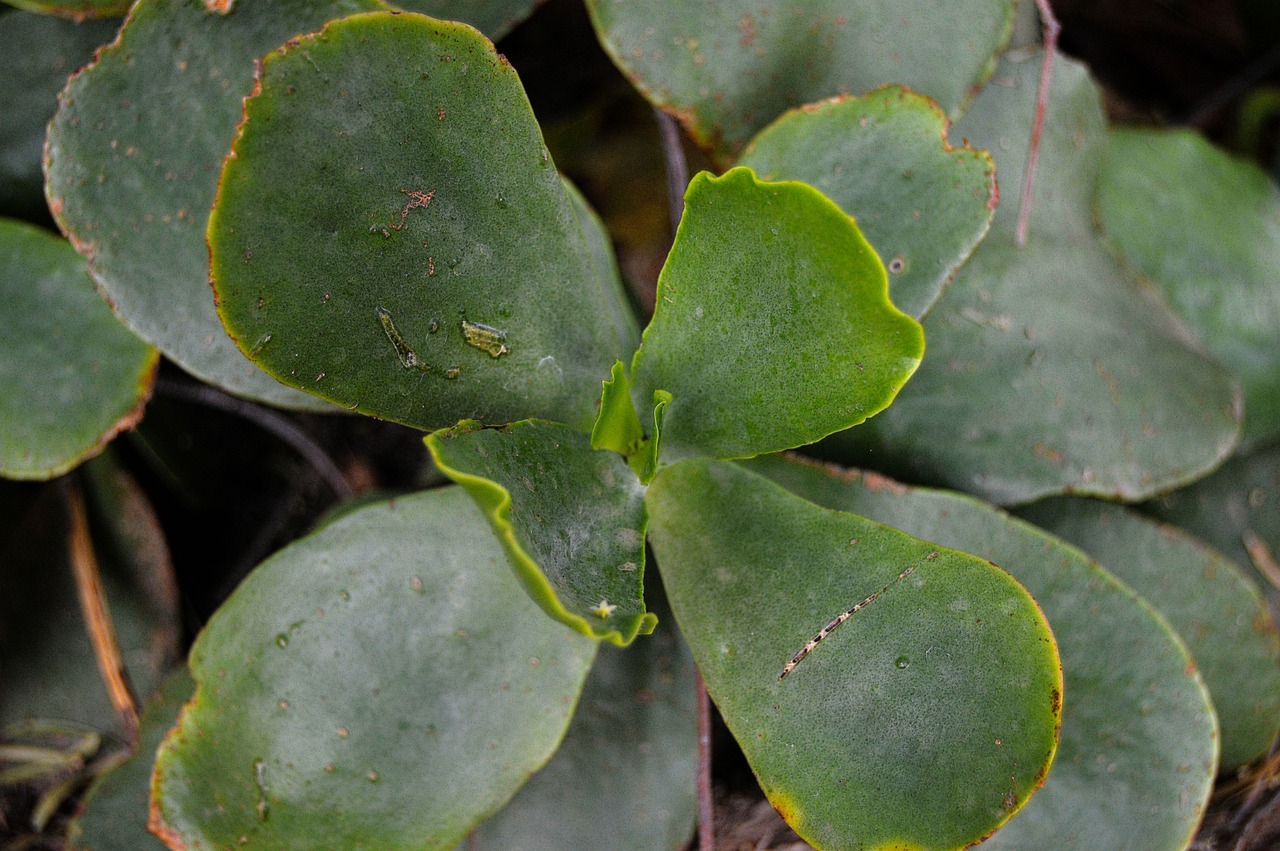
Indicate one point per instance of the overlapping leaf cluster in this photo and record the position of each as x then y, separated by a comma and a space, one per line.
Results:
389, 235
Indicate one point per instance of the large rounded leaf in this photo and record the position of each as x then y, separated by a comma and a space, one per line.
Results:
37, 54
1139, 739
1204, 227
884, 159
390, 234
773, 326
73, 376
1217, 612
624, 776
133, 158
728, 68
571, 518
383, 683
1049, 369
926, 720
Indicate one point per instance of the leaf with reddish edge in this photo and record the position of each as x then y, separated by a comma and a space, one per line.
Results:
353, 674
133, 154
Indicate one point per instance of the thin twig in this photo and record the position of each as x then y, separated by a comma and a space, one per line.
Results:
706, 820
677, 166
97, 616
1051, 29
267, 420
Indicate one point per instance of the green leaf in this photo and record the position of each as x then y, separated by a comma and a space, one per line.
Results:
353, 674
75, 10
616, 310
950, 673
134, 152
773, 326
50, 670
399, 155
494, 18
1139, 740
884, 158
729, 68
1049, 369
1235, 510
37, 54
1204, 227
624, 776
1217, 612
73, 376
571, 518
117, 803
617, 425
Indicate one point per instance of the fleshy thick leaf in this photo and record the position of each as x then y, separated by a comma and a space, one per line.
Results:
884, 159
1049, 369
773, 326
133, 158
727, 69
37, 54
390, 234
624, 776
1139, 739
73, 376
571, 518
950, 674
1204, 227
383, 683
117, 804
494, 18
1217, 612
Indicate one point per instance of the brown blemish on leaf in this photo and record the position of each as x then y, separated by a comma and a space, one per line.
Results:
219, 7
417, 200
1053, 456
1055, 701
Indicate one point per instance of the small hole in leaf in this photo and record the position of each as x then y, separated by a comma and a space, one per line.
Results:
896, 265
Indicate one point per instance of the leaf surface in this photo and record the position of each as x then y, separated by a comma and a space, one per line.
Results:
773, 326
624, 775
1204, 228
1217, 612
1049, 368
950, 674
1139, 740
1235, 510
37, 54
73, 376
884, 158
133, 158
390, 648
571, 518
390, 234
727, 69
75, 10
